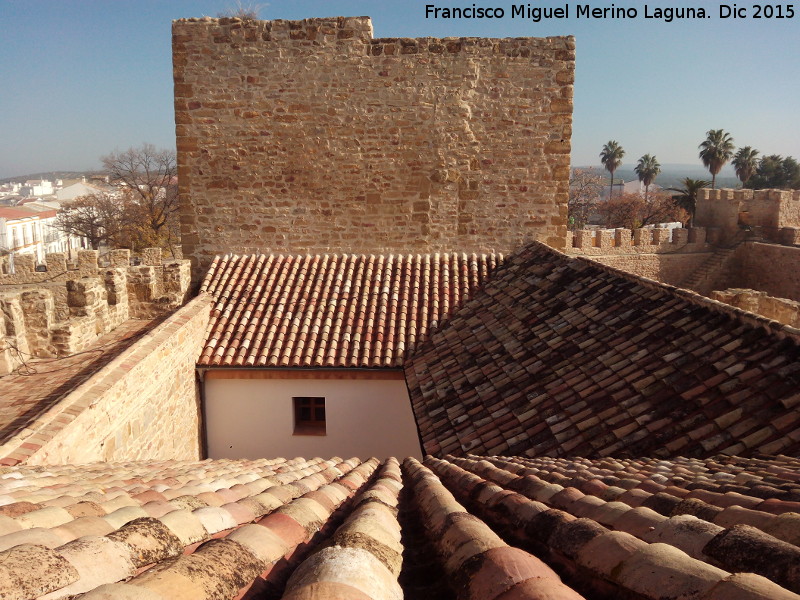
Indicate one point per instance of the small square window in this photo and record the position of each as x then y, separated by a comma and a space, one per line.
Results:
309, 415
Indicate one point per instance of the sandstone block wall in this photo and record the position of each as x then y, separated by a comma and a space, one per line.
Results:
314, 136
647, 240
770, 268
766, 212
672, 269
782, 310
141, 406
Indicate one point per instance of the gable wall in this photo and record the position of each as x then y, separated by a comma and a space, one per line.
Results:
313, 136
366, 415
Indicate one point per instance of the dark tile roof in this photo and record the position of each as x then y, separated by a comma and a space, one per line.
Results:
469, 528
564, 356
332, 310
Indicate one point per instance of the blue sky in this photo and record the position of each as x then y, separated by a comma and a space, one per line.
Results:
82, 78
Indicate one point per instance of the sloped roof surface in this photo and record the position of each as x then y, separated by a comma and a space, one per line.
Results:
474, 528
332, 310
558, 355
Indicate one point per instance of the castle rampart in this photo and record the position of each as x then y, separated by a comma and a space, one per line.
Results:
63, 309
646, 240
313, 136
773, 214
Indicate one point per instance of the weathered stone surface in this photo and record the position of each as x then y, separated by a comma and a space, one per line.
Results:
149, 540
143, 405
418, 145
661, 571
62, 311
350, 566
744, 548
29, 571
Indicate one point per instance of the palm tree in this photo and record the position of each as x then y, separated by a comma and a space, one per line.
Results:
745, 163
611, 157
687, 195
647, 169
715, 151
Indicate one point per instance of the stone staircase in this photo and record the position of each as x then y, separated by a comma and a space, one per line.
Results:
699, 279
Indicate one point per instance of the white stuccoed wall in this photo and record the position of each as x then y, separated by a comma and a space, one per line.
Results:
254, 418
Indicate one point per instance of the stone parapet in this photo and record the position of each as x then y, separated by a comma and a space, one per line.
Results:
140, 406
644, 240
64, 309
767, 212
783, 310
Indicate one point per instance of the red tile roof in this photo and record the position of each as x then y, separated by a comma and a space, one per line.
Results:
11, 213
491, 528
559, 355
333, 310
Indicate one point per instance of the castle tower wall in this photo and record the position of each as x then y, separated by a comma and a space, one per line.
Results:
310, 136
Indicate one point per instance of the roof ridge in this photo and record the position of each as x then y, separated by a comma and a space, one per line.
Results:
749, 318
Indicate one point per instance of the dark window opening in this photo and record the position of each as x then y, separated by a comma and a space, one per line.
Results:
309, 415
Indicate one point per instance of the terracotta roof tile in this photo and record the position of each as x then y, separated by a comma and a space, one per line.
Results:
490, 528
558, 355
333, 310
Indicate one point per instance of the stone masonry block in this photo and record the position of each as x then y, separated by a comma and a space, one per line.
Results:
605, 238
120, 257
177, 277
790, 236
660, 235
642, 237
680, 236
697, 235
622, 238
365, 201
151, 256
87, 260
56, 262
116, 283
584, 238
24, 263
84, 294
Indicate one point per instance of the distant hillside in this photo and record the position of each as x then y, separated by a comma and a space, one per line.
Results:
52, 176
672, 174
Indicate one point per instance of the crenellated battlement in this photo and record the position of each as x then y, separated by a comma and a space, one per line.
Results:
63, 309
772, 214
417, 149
644, 240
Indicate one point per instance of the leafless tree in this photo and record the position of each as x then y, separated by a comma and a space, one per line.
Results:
584, 191
149, 178
96, 217
634, 210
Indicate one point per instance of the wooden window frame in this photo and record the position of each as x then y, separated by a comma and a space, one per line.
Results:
314, 425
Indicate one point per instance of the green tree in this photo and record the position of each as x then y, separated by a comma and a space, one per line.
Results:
686, 198
715, 151
776, 172
647, 169
611, 158
745, 162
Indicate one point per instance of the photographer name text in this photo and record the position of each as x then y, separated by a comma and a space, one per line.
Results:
536, 13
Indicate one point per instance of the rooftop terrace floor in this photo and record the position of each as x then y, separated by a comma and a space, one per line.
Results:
40, 383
